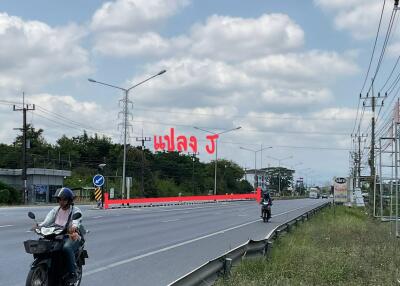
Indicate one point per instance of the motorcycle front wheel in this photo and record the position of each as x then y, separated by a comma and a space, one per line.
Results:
79, 275
37, 276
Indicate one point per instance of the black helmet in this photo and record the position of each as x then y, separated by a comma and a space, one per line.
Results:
64, 193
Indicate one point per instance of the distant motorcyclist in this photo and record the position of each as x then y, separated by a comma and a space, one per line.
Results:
62, 215
266, 197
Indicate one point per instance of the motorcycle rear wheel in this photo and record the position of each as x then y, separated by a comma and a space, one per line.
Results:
37, 276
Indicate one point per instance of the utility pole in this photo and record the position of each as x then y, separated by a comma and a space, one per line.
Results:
193, 156
356, 156
353, 170
24, 109
358, 182
143, 139
371, 160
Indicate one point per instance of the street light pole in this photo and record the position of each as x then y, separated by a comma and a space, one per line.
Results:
126, 91
279, 170
216, 150
293, 185
255, 161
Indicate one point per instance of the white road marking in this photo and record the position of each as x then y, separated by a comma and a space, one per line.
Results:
170, 220
7, 225
100, 216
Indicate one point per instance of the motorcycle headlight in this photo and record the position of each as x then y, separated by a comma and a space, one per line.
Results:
47, 230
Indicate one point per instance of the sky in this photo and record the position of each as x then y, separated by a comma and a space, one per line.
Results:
289, 73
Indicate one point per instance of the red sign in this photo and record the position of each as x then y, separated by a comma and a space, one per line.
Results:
182, 143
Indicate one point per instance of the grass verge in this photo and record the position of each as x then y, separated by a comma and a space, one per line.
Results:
341, 247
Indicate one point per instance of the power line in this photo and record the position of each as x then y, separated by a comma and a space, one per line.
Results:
373, 49
277, 117
387, 36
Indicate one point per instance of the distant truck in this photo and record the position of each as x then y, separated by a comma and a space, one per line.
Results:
314, 194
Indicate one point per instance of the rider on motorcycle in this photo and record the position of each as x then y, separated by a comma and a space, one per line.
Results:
266, 197
61, 215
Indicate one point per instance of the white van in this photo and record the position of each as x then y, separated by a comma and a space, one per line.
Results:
313, 193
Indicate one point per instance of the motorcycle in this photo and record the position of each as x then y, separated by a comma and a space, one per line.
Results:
266, 211
49, 265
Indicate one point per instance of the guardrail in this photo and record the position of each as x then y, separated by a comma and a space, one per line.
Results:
221, 266
256, 196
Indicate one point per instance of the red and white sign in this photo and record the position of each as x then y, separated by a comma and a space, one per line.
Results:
181, 143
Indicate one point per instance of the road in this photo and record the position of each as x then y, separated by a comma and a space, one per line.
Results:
147, 246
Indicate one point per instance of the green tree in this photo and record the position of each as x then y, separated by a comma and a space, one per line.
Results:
279, 178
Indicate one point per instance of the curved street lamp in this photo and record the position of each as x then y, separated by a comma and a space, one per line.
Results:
255, 161
216, 149
279, 165
126, 91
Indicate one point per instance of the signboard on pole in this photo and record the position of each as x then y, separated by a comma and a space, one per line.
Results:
340, 189
98, 180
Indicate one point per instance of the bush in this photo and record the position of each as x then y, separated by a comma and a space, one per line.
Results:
4, 196
167, 188
9, 195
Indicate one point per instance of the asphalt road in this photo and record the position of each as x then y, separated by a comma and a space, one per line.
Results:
147, 246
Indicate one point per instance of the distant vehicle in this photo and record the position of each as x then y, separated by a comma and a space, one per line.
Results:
266, 211
324, 196
313, 195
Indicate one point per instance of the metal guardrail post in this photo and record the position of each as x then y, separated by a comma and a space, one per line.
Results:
255, 248
268, 249
227, 266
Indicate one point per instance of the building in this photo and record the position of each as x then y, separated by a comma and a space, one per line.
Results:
41, 183
259, 181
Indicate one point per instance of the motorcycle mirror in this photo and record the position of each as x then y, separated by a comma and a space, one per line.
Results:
31, 215
76, 216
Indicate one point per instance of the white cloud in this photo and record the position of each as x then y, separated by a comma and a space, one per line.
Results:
33, 53
221, 37
64, 114
134, 15
123, 44
295, 98
359, 17
229, 38
277, 82
312, 68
